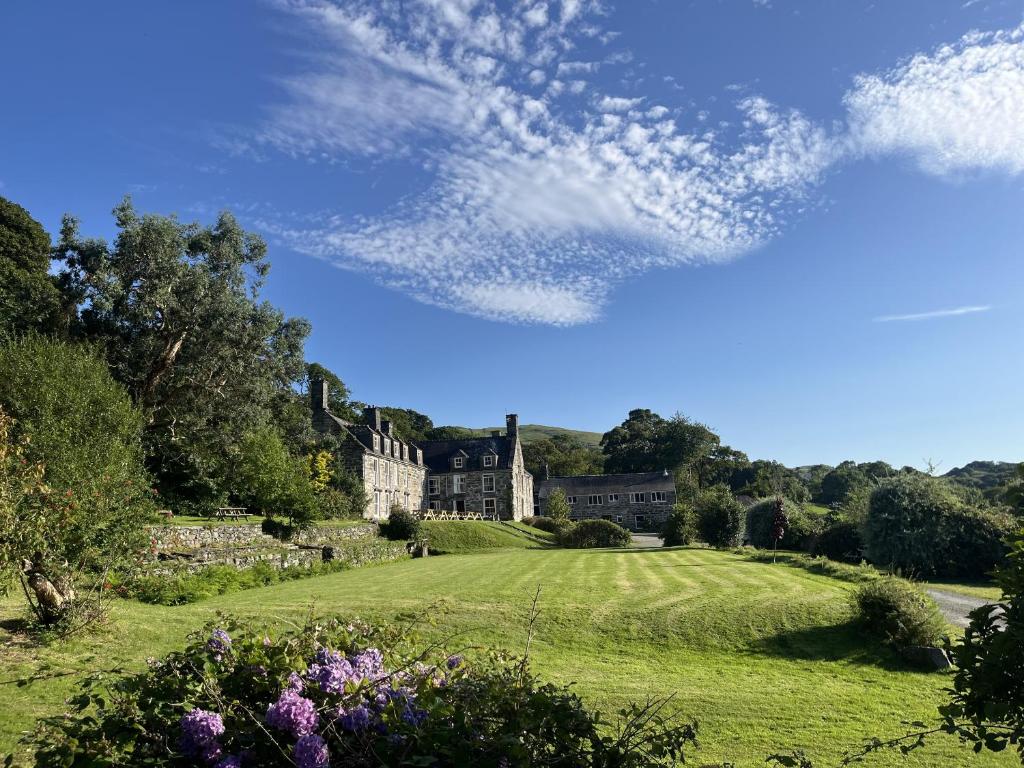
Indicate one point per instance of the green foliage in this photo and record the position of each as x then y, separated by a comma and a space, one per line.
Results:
770, 478
450, 537
80, 428
421, 707
547, 524
268, 479
719, 517
408, 424
899, 613
176, 309
562, 456
449, 433
29, 298
804, 526
918, 525
986, 705
401, 525
680, 526
645, 442
840, 540
338, 394
849, 477
557, 507
591, 534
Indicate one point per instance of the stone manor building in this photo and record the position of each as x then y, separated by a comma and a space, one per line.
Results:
640, 501
480, 474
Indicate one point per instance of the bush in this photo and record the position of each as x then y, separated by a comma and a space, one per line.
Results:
246, 695
269, 479
401, 525
277, 528
899, 613
590, 534
548, 524
803, 527
918, 525
719, 517
840, 540
680, 527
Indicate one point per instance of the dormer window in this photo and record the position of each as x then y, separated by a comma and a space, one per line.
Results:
387, 445
489, 460
376, 442
458, 462
405, 452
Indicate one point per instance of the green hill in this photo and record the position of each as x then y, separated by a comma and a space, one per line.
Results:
983, 474
530, 433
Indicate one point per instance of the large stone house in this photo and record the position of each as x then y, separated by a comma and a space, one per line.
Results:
392, 470
480, 474
640, 501
484, 474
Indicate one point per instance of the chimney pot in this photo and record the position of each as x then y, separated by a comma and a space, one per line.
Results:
372, 416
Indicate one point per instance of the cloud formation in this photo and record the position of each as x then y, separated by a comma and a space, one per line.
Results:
955, 312
547, 192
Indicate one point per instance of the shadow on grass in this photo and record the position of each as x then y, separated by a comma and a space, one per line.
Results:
837, 642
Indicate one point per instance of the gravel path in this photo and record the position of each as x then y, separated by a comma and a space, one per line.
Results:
955, 607
646, 540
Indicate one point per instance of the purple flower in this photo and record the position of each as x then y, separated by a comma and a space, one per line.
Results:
454, 662
295, 682
369, 664
294, 714
311, 752
355, 719
219, 644
331, 671
231, 761
199, 732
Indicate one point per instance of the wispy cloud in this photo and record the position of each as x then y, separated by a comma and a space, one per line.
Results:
955, 312
546, 191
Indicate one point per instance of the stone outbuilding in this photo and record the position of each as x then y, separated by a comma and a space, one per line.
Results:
640, 501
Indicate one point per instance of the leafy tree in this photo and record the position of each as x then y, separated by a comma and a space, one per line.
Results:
724, 466
401, 525
1014, 493
680, 526
272, 481
557, 508
562, 455
29, 298
770, 478
719, 517
633, 446
800, 529
338, 395
449, 433
410, 425
842, 481
83, 512
176, 309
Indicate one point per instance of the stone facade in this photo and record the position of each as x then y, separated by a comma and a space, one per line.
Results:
391, 469
639, 501
481, 474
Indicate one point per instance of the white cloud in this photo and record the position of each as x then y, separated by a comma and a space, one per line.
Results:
960, 108
539, 207
955, 312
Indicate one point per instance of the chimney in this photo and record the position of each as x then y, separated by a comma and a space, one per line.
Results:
385, 427
417, 454
547, 471
318, 395
371, 414
512, 425
495, 433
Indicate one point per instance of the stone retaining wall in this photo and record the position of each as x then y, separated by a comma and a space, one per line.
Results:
165, 538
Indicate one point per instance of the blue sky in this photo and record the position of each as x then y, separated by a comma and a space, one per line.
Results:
798, 222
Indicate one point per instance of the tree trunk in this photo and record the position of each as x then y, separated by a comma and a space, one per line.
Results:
162, 364
53, 602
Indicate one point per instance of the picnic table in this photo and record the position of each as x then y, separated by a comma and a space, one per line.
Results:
232, 513
449, 514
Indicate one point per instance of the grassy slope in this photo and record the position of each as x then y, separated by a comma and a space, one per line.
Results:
764, 656
461, 536
529, 433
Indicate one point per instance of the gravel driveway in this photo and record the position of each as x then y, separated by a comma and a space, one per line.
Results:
955, 607
646, 540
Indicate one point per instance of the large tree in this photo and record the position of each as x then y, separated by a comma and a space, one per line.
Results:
563, 456
646, 442
176, 309
29, 298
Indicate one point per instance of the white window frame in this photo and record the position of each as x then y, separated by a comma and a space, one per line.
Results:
658, 497
458, 462
405, 452
570, 499
636, 498
376, 442
493, 504
458, 483
613, 498
595, 500
434, 486
376, 472
376, 503
483, 482
489, 459
387, 446
435, 505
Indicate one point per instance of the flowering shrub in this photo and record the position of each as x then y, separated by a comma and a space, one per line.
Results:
346, 694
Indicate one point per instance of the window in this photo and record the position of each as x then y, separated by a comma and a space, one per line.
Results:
376, 472
595, 501
488, 460
658, 497
570, 499
376, 503
460, 505
490, 507
618, 519
613, 498
434, 505
433, 487
457, 462
458, 483
387, 445
488, 483
641, 521
376, 442
405, 452
636, 498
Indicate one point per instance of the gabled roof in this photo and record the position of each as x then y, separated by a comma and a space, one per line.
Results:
436, 453
582, 485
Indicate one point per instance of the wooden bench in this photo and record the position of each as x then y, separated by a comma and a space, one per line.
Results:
232, 513
165, 513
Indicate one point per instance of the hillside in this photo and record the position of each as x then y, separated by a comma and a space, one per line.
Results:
530, 433
983, 474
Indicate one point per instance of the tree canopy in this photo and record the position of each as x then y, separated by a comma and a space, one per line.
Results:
29, 298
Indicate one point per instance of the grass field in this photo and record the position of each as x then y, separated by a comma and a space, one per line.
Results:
459, 537
766, 657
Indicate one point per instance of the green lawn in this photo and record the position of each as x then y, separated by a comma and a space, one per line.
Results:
764, 656
983, 590
461, 536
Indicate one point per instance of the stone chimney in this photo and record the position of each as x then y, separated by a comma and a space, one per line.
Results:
512, 425
495, 433
385, 427
371, 414
318, 396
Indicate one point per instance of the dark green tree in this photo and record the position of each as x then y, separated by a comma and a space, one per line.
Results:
29, 298
176, 309
563, 456
719, 517
449, 433
557, 508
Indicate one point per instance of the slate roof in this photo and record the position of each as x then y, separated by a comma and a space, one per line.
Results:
437, 452
583, 485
